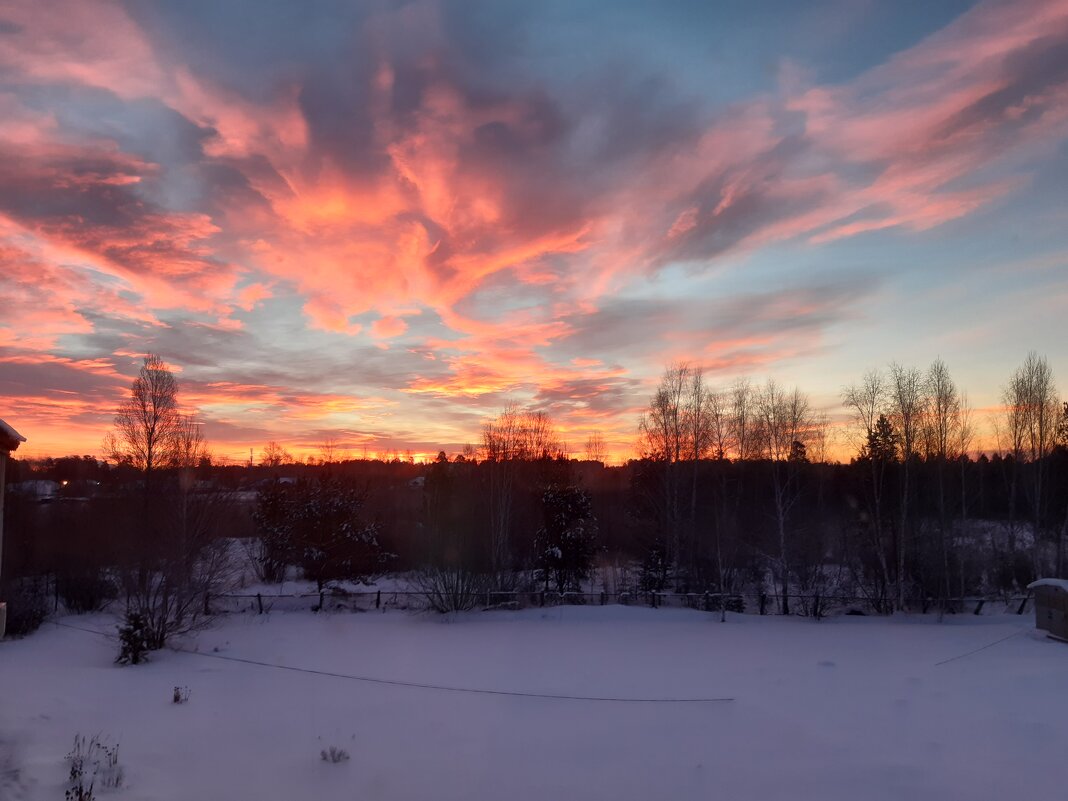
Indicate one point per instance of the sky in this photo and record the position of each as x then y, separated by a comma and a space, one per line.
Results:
379, 223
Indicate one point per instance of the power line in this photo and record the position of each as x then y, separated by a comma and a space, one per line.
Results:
425, 686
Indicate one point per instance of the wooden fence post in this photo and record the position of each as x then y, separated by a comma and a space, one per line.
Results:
378, 600
259, 602
1023, 604
763, 603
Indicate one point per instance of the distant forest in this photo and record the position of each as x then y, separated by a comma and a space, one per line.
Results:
731, 493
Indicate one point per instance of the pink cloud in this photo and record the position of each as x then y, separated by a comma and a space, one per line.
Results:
388, 327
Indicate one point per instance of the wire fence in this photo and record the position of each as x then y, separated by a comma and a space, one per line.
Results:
814, 605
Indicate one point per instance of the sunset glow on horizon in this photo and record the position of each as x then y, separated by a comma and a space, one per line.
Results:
379, 223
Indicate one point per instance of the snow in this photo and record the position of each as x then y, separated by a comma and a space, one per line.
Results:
1049, 582
847, 709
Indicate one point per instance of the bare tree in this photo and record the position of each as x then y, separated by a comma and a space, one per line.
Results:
965, 433
868, 403
178, 555
785, 422
274, 455
329, 451
940, 410
1032, 412
1062, 535
596, 449
745, 422
720, 431
867, 400
906, 410
190, 449
663, 438
147, 424
662, 428
514, 436
820, 438
697, 424
720, 443
940, 417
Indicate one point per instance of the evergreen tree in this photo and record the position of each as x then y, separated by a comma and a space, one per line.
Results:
564, 545
882, 442
319, 526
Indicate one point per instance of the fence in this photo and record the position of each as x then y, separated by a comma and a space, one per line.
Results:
812, 605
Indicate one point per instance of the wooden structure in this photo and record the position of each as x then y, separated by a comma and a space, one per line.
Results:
10, 439
1051, 606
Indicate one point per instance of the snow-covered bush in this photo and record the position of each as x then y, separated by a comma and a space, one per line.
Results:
452, 589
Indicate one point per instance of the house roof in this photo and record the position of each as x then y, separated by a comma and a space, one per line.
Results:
1049, 582
9, 437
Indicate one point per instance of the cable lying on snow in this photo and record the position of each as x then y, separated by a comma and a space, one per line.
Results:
447, 688
423, 686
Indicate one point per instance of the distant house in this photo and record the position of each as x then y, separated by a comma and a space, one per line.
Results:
1051, 606
39, 490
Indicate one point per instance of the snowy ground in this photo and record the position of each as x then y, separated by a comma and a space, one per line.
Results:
848, 708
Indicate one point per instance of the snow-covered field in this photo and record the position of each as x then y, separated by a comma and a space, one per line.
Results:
855, 709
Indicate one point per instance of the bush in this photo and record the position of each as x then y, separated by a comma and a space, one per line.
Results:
181, 695
452, 589
27, 606
92, 759
87, 591
334, 755
133, 640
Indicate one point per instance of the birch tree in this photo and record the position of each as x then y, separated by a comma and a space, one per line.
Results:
868, 403
1032, 413
906, 409
785, 423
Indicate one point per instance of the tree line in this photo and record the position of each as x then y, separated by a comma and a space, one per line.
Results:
732, 491
916, 512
